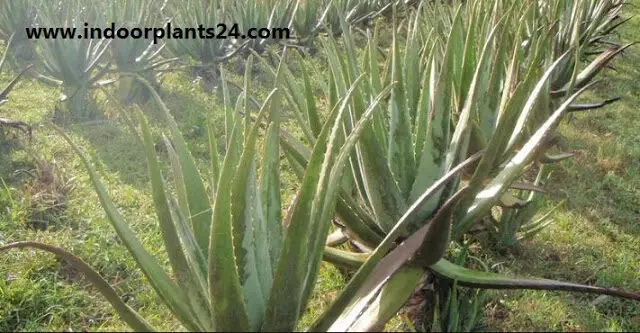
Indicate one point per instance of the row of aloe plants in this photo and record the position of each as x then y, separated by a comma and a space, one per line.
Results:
82, 64
482, 111
415, 135
485, 98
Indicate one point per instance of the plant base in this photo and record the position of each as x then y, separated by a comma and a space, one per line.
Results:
78, 105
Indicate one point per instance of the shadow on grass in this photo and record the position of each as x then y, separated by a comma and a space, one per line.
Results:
121, 152
118, 150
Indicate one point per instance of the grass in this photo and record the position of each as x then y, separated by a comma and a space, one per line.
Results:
595, 238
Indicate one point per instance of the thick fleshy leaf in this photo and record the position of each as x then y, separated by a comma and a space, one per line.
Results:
547, 159
361, 276
251, 245
379, 305
188, 279
215, 158
487, 280
400, 152
312, 110
130, 316
270, 187
343, 258
225, 289
336, 238
584, 107
197, 198
229, 115
490, 195
290, 281
162, 284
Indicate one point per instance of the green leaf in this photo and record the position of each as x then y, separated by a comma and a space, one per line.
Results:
215, 157
225, 290
229, 115
487, 280
187, 276
270, 187
362, 275
251, 244
400, 152
197, 198
162, 284
312, 110
130, 316
344, 258
375, 308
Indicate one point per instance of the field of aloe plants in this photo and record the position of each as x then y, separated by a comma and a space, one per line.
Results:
396, 164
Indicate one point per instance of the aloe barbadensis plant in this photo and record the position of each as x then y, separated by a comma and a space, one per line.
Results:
14, 17
238, 264
140, 56
469, 111
76, 65
4, 96
267, 14
202, 54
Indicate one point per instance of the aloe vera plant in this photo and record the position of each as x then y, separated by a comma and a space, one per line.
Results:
452, 143
4, 98
76, 65
140, 56
203, 54
14, 17
577, 27
238, 264
515, 218
425, 155
267, 14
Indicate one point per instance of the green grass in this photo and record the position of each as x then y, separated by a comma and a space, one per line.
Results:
595, 238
